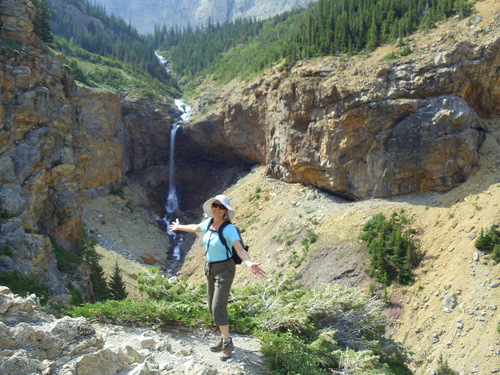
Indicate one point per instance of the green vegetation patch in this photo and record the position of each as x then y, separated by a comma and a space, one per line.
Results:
392, 248
244, 48
25, 285
489, 242
169, 302
303, 331
108, 53
9, 45
66, 261
4, 214
118, 78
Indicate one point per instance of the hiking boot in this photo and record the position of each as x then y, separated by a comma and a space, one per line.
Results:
217, 347
227, 349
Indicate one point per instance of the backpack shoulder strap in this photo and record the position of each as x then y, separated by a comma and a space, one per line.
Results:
223, 239
208, 228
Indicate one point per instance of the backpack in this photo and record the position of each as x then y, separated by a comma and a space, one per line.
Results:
235, 255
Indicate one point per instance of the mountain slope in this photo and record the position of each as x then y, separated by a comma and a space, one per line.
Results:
144, 14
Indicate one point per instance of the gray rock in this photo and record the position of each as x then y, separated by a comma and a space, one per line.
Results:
449, 302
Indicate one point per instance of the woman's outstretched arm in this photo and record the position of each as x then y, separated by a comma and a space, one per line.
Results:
254, 266
185, 228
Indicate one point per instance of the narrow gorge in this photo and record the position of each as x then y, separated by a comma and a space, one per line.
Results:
332, 130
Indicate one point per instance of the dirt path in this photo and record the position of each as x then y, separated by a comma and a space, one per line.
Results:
181, 350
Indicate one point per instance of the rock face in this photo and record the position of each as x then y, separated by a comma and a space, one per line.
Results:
387, 129
17, 22
144, 14
61, 143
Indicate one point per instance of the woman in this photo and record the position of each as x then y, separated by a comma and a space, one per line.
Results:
220, 267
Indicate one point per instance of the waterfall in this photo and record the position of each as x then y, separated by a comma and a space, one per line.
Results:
172, 201
163, 61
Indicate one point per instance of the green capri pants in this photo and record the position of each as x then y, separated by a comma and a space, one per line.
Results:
220, 276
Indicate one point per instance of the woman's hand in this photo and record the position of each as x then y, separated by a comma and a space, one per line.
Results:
174, 225
255, 268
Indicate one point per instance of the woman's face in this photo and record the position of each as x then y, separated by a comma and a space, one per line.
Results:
218, 209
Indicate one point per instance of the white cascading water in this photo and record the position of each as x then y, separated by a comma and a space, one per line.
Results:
163, 61
172, 202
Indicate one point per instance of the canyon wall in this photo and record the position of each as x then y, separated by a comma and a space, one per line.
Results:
361, 128
60, 143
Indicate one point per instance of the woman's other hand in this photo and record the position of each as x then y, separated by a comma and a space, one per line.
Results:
255, 268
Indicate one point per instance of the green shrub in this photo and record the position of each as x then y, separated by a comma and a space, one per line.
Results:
118, 192
77, 73
289, 354
392, 249
76, 296
56, 163
4, 214
391, 56
66, 261
443, 368
25, 285
405, 51
9, 44
171, 302
489, 242
98, 280
84, 242
303, 331
6, 249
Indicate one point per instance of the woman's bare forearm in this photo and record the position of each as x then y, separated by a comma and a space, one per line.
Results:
184, 227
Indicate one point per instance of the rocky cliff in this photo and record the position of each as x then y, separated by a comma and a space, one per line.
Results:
144, 14
362, 127
60, 143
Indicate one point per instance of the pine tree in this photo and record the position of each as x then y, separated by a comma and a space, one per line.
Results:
41, 23
97, 277
116, 284
372, 35
392, 250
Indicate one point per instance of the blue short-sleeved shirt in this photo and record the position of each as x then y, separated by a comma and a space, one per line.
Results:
216, 251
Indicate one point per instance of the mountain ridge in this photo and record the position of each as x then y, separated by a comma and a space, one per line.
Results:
144, 14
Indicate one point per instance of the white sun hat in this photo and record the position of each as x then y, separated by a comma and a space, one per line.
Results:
207, 206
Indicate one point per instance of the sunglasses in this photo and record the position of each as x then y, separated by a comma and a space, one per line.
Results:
217, 205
